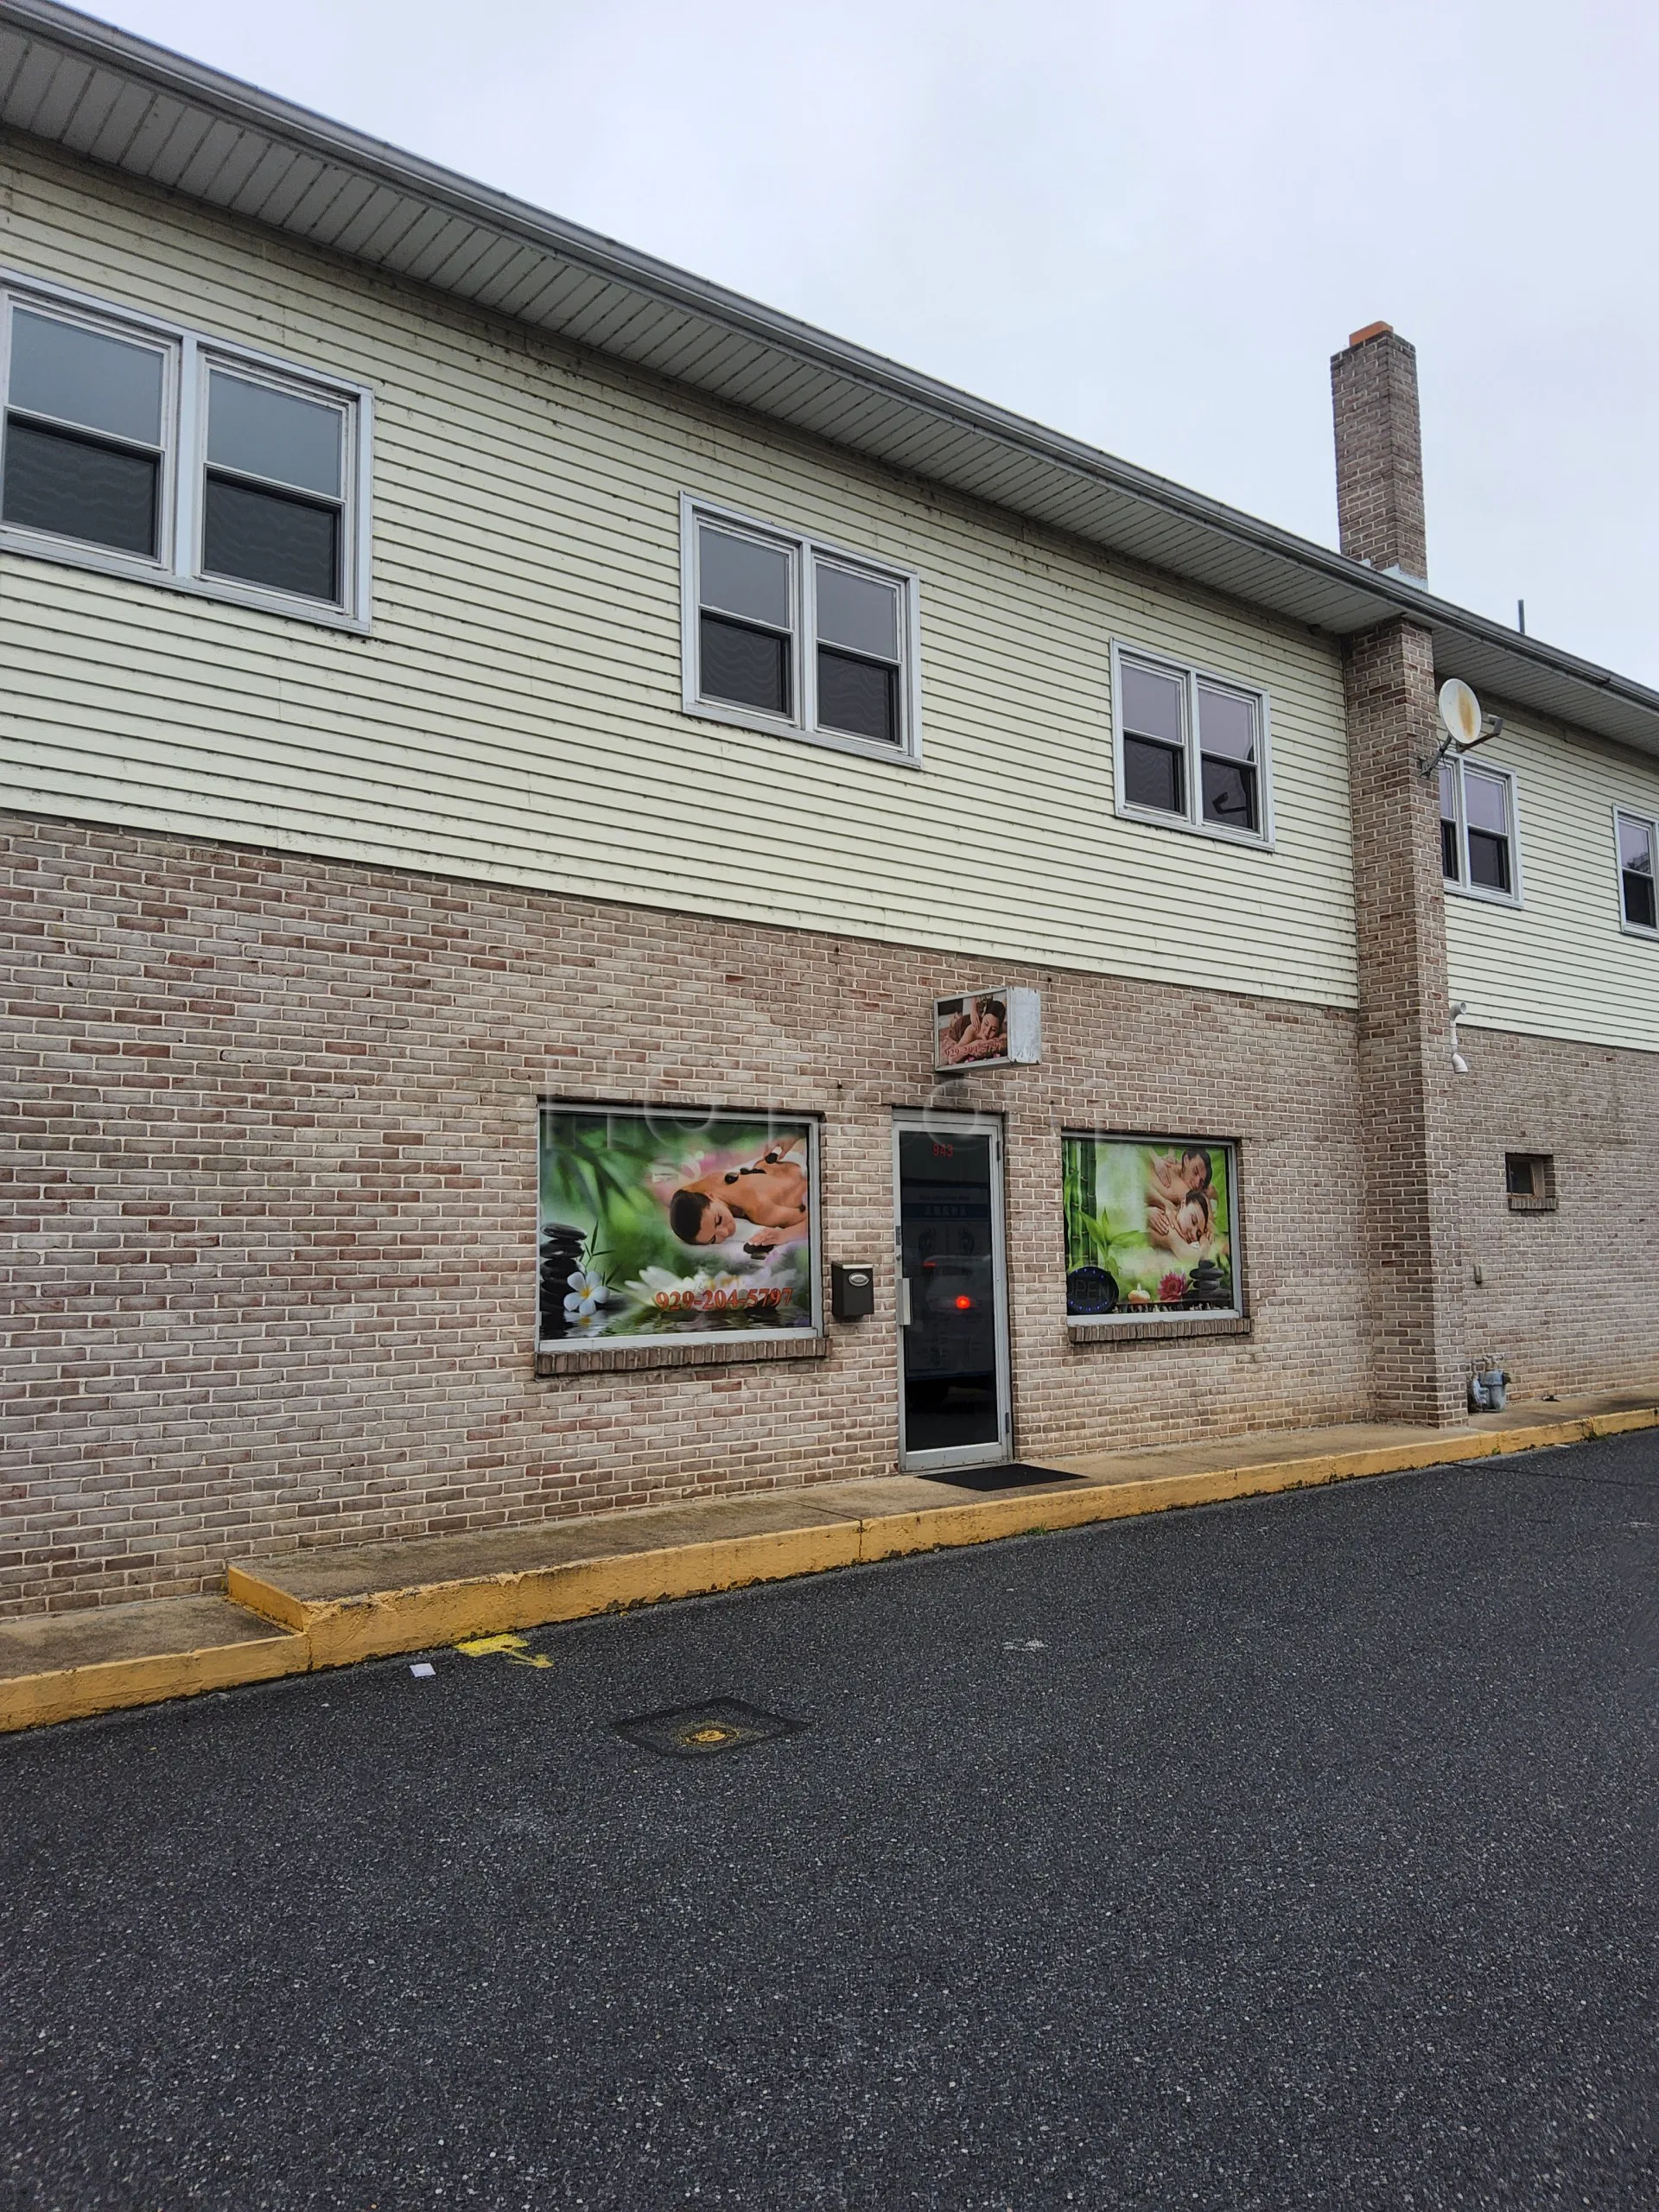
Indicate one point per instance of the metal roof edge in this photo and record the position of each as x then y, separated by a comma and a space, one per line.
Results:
1444, 614
1375, 596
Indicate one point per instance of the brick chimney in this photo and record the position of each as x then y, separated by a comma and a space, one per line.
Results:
1412, 1123
1379, 452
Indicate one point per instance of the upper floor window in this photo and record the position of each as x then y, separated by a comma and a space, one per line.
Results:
783, 633
273, 488
1479, 850
1638, 851
85, 433
152, 451
1192, 749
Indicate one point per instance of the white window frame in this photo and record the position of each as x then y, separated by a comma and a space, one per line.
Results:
1190, 677
191, 355
804, 550
1463, 888
1650, 823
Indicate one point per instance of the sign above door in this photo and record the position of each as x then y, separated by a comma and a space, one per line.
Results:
998, 1027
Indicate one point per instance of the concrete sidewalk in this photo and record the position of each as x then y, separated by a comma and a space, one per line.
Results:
329, 1607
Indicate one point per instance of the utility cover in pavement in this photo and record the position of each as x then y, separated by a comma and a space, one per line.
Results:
694, 1731
1013, 1474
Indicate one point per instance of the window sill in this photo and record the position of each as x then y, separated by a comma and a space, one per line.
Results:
1246, 840
1519, 1203
770, 726
711, 1350
1482, 897
97, 561
1175, 1328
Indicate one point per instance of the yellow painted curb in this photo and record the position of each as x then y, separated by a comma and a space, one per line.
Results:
243, 1587
378, 1624
111, 1685
894, 1534
341, 1631
1619, 1424
337, 1632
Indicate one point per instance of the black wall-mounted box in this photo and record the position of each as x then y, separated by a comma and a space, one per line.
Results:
852, 1291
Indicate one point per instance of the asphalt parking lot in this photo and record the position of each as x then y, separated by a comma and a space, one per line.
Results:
1299, 1851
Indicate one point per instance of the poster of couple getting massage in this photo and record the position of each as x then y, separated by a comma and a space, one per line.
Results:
657, 1224
1148, 1225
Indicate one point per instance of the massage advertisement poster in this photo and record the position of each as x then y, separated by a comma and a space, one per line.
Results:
969, 1031
996, 1028
1148, 1226
658, 1224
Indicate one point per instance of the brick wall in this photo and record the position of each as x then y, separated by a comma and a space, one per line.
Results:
1569, 1300
271, 1132
270, 1173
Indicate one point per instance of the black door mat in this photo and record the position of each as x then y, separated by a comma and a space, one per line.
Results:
692, 1732
1013, 1474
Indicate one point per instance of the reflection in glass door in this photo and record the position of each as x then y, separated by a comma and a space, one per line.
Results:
953, 1337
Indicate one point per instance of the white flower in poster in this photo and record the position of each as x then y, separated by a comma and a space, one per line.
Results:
650, 1280
586, 1294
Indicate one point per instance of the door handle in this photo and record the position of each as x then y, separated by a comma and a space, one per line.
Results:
904, 1302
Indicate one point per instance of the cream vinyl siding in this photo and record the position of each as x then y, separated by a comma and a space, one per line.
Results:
514, 713
1559, 965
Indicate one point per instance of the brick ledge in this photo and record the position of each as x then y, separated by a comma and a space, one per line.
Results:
1175, 1330
701, 1351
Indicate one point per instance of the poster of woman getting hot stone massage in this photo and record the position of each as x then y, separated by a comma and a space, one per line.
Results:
658, 1225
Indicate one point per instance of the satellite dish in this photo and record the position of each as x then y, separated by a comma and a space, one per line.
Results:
1460, 712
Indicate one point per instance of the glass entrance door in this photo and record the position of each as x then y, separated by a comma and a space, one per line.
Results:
953, 1398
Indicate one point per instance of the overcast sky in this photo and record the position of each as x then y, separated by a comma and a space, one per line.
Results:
1148, 225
